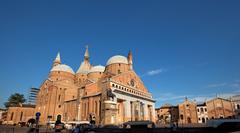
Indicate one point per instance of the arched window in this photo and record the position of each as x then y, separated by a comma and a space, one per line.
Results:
189, 120
112, 85
21, 116
181, 117
59, 98
12, 115
203, 120
119, 71
238, 106
96, 107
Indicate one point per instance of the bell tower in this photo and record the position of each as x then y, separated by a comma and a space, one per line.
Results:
130, 62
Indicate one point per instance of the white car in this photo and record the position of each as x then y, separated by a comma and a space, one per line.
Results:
71, 124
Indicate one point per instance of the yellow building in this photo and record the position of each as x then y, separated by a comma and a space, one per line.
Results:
167, 114
21, 113
110, 94
219, 108
188, 112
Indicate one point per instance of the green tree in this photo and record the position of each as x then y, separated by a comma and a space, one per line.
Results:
14, 100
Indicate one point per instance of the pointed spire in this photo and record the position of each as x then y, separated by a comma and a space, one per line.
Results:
186, 98
86, 55
130, 62
57, 59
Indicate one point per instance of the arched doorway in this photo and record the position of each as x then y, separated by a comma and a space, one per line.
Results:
203, 120
189, 120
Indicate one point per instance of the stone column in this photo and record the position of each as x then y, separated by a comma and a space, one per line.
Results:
127, 110
153, 113
146, 112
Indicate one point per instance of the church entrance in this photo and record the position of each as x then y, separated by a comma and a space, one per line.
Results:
120, 111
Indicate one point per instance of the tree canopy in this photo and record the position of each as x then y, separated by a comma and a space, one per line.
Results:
15, 100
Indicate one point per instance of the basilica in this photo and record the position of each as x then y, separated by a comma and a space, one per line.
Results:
110, 94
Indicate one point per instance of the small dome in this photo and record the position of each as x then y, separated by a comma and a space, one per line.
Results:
98, 68
62, 67
117, 59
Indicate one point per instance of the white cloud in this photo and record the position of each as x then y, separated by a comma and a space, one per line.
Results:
155, 72
169, 97
201, 99
216, 85
235, 85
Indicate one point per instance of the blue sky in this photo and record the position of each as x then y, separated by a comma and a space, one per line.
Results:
180, 48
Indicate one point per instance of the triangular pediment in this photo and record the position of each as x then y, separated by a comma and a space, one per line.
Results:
130, 78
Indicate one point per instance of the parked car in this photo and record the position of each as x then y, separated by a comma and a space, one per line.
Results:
72, 124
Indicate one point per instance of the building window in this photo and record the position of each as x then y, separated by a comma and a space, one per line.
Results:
197, 110
181, 117
21, 116
96, 107
119, 71
203, 120
112, 85
201, 109
59, 97
59, 106
205, 109
12, 116
238, 106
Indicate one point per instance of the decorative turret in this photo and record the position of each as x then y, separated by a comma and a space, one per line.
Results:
86, 55
57, 60
130, 59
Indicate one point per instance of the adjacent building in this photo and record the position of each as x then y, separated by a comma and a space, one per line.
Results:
188, 112
219, 108
202, 113
20, 113
110, 94
236, 101
32, 95
167, 114
3, 115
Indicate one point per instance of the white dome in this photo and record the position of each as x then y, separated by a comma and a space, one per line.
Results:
62, 67
98, 68
117, 59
